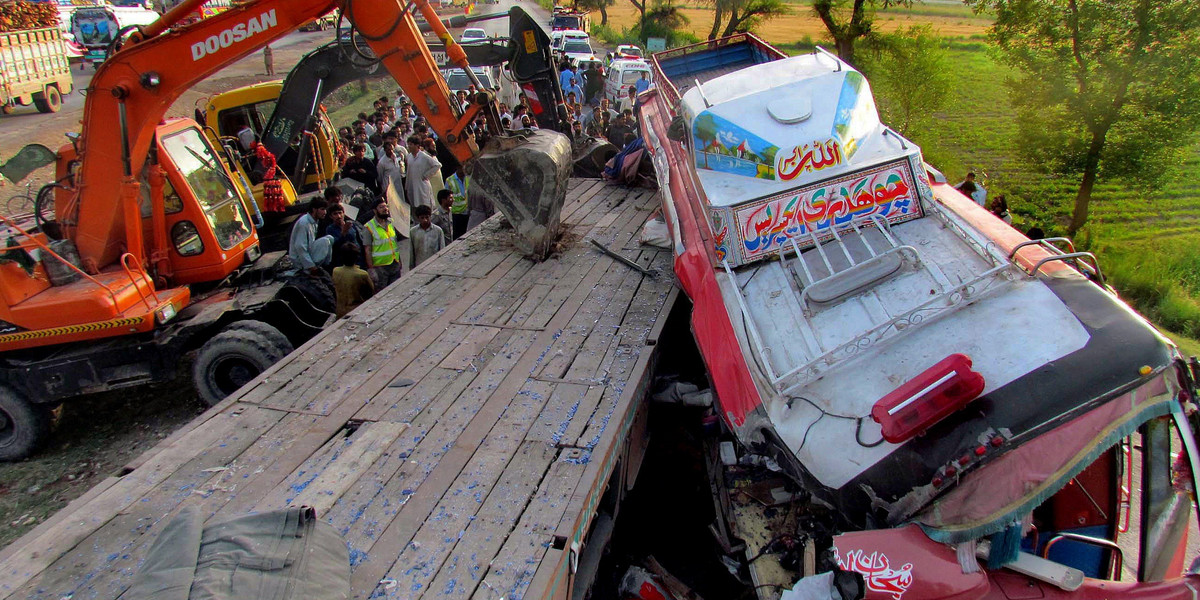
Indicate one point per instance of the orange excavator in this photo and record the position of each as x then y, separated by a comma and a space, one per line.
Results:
153, 252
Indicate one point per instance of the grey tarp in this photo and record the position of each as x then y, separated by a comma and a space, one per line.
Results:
272, 555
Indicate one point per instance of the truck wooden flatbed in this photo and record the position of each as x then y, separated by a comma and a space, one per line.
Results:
462, 430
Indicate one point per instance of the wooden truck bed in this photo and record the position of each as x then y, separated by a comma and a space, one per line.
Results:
459, 429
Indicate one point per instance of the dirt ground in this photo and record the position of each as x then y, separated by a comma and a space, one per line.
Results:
949, 21
95, 438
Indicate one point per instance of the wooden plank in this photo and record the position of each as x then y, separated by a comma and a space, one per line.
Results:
497, 325
463, 569
599, 467
399, 532
456, 510
514, 566
322, 485
467, 351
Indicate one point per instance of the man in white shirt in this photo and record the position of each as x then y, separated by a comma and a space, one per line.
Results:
421, 168
975, 191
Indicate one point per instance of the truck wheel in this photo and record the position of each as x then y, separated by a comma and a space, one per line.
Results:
8, 108
234, 357
49, 101
317, 289
23, 426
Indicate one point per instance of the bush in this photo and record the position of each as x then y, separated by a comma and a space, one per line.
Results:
1159, 281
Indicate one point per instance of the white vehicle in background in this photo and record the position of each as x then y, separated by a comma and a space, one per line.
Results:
622, 74
558, 38
576, 50
472, 34
584, 64
95, 27
627, 51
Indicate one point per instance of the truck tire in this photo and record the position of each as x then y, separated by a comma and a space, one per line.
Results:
8, 108
318, 289
49, 101
234, 357
23, 426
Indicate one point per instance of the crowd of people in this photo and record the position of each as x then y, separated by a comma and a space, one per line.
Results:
393, 154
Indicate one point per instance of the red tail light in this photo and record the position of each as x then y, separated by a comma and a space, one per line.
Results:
928, 398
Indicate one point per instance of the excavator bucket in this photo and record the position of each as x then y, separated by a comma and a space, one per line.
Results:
525, 176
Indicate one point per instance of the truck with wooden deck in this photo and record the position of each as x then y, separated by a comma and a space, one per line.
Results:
34, 69
153, 253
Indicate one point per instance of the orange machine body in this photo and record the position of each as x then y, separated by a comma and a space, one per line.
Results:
146, 202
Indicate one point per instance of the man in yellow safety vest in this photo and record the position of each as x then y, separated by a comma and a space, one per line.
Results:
382, 247
460, 213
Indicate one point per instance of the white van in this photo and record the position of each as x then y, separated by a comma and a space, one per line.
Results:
622, 74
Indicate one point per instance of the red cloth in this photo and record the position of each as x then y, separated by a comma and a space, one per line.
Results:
272, 187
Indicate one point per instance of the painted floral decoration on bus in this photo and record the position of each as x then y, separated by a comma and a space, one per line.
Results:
719, 145
763, 226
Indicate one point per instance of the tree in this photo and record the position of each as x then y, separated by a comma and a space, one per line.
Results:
911, 72
596, 5
640, 5
861, 18
743, 15
1105, 88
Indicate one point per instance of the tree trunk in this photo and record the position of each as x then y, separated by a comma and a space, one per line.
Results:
845, 48
603, 15
718, 17
735, 20
1084, 197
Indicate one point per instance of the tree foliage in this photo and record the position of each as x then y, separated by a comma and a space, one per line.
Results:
850, 20
596, 5
736, 16
1104, 88
911, 73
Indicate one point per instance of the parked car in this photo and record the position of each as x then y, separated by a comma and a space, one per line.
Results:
576, 50
628, 51
472, 34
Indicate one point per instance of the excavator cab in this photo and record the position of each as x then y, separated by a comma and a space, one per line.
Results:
224, 115
210, 231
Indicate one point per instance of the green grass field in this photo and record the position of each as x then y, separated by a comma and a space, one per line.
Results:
1148, 241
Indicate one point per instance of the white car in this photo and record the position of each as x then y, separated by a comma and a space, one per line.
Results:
473, 34
628, 51
456, 79
576, 50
